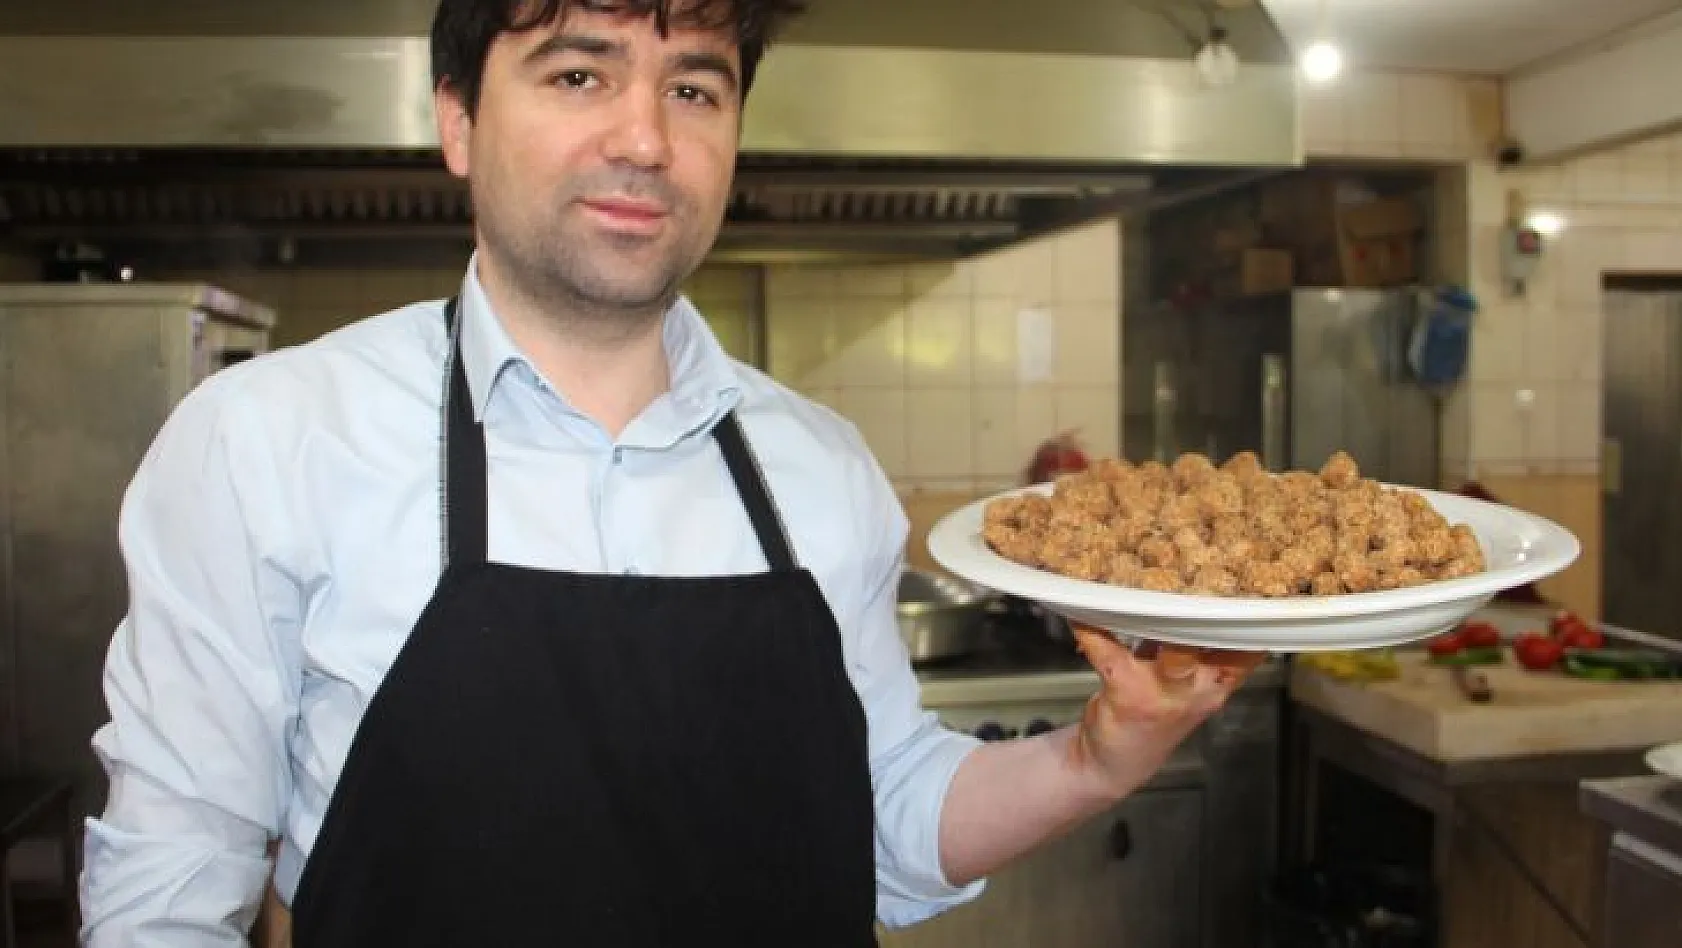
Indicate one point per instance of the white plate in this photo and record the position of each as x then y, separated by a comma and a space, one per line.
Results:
1518, 547
1666, 760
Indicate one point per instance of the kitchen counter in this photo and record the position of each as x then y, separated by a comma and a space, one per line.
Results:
1643, 881
1648, 808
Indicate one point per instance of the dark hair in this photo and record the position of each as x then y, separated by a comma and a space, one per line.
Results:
462, 30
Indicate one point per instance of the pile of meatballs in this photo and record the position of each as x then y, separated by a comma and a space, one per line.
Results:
1235, 530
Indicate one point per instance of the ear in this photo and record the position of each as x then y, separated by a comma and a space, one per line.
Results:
455, 128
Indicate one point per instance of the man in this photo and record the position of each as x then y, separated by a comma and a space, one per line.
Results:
615, 665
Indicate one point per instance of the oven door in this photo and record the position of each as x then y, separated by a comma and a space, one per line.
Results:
1131, 877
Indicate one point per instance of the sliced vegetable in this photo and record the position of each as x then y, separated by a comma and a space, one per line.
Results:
1574, 665
1469, 656
1629, 664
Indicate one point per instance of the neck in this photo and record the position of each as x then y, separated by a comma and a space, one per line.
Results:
610, 366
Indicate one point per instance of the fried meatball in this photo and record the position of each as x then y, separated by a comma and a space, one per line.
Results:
1161, 580
1435, 546
1215, 581
1156, 474
1466, 545
1391, 551
1457, 569
1110, 470
1223, 530
1268, 579
1013, 543
1340, 471
1326, 584
1355, 573
1125, 570
1244, 466
1220, 496
1302, 564
1159, 552
1179, 513
1195, 560
1191, 470
1086, 498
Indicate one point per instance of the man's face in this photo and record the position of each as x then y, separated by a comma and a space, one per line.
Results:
600, 157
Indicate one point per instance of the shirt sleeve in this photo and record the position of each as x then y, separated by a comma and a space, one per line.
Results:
200, 694
913, 758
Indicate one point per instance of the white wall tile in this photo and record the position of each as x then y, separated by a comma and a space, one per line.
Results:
1499, 344
996, 442
995, 353
1580, 423
1653, 251
797, 281
872, 343
873, 282
1025, 273
941, 433
1088, 344
1088, 264
940, 352
1499, 427
1582, 344
944, 279
1036, 419
879, 415
1094, 412
1542, 418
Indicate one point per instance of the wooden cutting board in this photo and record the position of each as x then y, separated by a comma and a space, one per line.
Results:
1533, 713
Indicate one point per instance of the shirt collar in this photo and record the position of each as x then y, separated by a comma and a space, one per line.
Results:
704, 378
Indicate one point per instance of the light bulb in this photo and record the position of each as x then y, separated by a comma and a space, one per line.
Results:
1217, 63
1546, 223
1322, 62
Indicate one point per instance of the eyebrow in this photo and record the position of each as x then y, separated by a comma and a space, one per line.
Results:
555, 45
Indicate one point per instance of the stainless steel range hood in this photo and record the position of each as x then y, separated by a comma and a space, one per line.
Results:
954, 123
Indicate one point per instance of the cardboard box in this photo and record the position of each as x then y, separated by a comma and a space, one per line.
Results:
1266, 271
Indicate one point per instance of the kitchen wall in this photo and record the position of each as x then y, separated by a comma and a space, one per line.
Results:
311, 301
955, 371
1527, 422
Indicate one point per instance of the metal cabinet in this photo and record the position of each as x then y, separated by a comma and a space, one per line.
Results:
1643, 897
1131, 877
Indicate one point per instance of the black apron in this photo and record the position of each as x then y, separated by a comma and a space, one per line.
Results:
599, 760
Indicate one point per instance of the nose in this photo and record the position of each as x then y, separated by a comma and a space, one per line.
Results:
640, 134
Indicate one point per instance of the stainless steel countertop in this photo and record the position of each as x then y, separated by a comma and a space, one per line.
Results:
1648, 808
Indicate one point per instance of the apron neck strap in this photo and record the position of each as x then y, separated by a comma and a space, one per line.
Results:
465, 503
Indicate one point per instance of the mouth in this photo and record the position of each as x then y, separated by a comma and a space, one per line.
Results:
625, 215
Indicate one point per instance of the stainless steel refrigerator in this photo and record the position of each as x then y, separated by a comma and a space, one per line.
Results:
88, 374
1294, 376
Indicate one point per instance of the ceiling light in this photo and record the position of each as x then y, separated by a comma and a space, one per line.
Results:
1546, 223
1322, 62
1216, 62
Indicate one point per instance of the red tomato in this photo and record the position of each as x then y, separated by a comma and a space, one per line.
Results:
1480, 635
1563, 622
1538, 652
1582, 637
1446, 644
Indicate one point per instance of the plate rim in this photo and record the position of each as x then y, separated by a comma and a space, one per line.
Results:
948, 541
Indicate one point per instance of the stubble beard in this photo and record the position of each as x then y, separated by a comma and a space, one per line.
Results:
565, 270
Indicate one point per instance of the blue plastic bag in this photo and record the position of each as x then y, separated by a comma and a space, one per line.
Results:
1442, 337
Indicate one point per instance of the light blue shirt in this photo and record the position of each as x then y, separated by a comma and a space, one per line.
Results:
282, 535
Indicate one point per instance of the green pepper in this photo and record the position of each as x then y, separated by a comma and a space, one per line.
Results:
1471, 656
1574, 665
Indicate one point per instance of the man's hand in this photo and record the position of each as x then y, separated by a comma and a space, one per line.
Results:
1012, 796
1149, 704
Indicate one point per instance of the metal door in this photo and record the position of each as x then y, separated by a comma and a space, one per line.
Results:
1642, 461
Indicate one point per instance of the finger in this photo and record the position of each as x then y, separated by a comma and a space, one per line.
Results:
1232, 668
1177, 669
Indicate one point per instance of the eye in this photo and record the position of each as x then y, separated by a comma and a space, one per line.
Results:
690, 92
575, 78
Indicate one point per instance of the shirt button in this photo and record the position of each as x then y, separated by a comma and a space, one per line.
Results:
618, 456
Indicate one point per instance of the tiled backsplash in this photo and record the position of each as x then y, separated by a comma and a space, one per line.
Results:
955, 371
1533, 402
